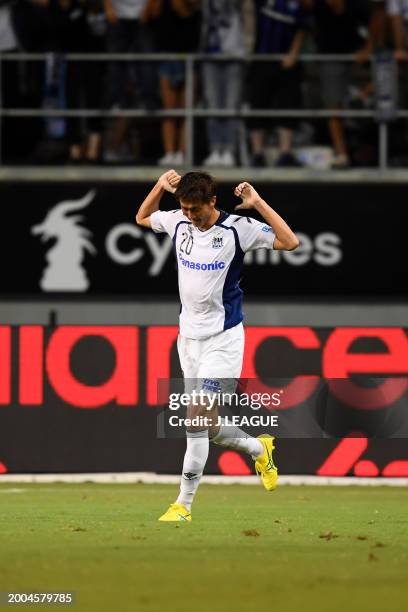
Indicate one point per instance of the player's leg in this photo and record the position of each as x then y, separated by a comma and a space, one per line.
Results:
197, 446
196, 454
221, 361
261, 450
237, 439
224, 357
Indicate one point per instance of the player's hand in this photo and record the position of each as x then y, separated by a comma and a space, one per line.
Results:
169, 181
249, 196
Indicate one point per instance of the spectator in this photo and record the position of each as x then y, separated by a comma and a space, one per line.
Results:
222, 32
280, 29
9, 94
38, 25
84, 82
129, 31
377, 40
378, 25
41, 28
338, 24
398, 12
8, 40
178, 30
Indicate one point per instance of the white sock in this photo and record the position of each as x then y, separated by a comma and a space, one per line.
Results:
234, 437
193, 466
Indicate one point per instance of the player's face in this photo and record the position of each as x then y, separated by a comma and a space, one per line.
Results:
199, 214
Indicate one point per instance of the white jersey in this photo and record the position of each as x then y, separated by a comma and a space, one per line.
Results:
209, 267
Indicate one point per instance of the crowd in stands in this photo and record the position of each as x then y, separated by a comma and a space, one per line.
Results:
234, 28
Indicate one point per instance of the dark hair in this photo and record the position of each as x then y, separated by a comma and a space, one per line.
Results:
196, 187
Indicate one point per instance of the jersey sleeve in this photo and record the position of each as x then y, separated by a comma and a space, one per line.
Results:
254, 235
163, 221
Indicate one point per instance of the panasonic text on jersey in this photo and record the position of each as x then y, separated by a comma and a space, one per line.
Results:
194, 265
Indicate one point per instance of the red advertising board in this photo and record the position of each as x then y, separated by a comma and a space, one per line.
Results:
84, 398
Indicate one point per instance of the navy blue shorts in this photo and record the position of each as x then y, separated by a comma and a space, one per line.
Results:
174, 72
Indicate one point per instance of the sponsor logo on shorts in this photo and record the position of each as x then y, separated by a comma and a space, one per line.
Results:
211, 385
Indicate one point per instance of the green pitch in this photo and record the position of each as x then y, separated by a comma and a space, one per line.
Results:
299, 548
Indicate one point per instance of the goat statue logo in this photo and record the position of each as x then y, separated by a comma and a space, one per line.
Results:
64, 271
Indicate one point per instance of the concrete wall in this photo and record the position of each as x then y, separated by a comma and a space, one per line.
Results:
166, 313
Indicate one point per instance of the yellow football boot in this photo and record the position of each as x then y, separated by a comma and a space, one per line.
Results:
177, 512
264, 465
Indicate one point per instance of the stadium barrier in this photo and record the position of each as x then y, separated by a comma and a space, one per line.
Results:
384, 74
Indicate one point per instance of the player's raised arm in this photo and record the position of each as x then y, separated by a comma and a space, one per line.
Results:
167, 182
285, 239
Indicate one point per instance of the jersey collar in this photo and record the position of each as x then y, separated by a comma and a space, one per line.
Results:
222, 217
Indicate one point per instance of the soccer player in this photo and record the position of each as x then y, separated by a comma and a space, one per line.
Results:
210, 245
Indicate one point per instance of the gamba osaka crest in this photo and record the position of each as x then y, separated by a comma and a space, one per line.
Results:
217, 241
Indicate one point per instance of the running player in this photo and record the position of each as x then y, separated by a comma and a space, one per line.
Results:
210, 245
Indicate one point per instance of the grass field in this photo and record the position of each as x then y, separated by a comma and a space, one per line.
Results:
299, 548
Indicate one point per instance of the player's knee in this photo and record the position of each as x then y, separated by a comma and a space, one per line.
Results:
201, 416
195, 428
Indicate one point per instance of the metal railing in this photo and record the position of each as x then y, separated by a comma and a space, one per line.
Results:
189, 113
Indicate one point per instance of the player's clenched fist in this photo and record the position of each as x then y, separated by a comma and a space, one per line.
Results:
169, 180
247, 193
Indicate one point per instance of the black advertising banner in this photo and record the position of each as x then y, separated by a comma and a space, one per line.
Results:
86, 399
81, 239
